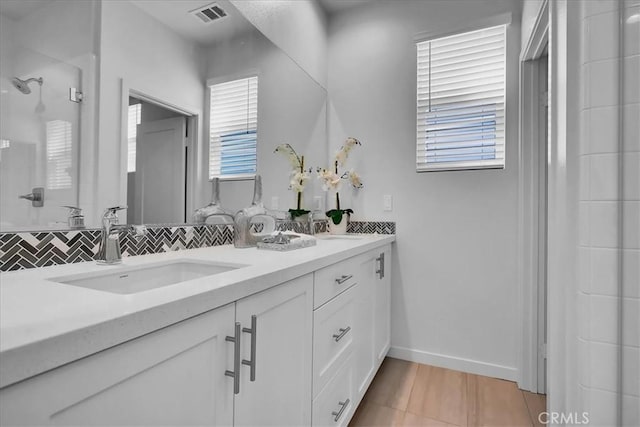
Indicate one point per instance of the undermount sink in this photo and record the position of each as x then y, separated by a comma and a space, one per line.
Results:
339, 237
143, 278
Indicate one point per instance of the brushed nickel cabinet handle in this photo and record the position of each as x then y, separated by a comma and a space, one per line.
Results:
235, 374
343, 407
343, 279
251, 363
380, 270
343, 332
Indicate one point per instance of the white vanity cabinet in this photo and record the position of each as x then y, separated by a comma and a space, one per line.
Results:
299, 353
174, 376
351, 333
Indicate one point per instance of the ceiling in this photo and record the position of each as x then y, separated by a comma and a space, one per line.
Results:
18, 9
176, 16
335, 6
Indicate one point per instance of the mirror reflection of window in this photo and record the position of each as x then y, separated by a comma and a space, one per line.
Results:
233, 128
135, 112
59, 154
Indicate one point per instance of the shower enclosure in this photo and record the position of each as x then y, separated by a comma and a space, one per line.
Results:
39, 120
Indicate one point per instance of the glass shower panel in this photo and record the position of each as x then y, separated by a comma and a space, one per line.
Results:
39, 131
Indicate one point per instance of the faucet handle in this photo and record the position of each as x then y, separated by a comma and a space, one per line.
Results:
115, 209
73, 210
111, 212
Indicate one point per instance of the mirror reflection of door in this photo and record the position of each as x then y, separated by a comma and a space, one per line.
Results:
157, 164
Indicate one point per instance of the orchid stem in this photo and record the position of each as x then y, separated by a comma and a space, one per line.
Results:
300, 192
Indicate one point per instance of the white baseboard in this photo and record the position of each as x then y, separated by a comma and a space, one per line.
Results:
455, 363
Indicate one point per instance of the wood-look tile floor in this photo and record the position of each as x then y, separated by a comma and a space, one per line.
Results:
409, 394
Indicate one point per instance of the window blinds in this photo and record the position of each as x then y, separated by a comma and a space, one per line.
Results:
233, 128
461, 101
135, 112
59, 154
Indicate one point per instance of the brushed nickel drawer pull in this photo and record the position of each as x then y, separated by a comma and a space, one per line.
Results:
343, 332
343, 279
343, 407
235, 374
380, 271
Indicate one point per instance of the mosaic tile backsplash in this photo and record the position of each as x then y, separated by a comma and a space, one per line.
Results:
24, 250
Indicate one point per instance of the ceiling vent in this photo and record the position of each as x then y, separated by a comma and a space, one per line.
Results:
209, 13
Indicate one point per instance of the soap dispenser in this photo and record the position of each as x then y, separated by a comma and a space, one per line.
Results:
75, 219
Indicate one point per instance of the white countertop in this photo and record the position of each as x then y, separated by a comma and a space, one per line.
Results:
45, 324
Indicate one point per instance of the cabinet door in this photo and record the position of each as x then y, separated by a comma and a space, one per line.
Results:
364, 340
382, 305
280, 392
174, 376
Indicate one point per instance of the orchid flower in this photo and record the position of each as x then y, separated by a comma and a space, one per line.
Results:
288, 151
343, 152
354, 179
330, 179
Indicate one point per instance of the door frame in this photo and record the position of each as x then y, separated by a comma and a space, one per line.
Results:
192, 141
530, 276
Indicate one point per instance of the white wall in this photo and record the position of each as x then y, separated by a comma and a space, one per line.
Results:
291, 109
454, 295
153, 60
298, 27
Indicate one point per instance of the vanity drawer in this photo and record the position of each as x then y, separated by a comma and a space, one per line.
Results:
333, 280
333, 336
336, 403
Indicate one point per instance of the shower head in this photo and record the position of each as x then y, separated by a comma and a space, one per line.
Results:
23, 85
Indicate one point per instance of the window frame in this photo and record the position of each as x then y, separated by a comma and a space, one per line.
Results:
504, 21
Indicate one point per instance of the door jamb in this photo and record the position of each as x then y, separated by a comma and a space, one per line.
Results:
528, 201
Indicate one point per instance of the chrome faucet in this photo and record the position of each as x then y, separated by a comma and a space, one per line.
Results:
109, 250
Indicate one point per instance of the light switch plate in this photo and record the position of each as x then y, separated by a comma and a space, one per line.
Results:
388, 202
317, 203
275, 203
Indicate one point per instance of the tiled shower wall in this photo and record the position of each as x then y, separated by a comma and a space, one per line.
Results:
20, 251
609, 235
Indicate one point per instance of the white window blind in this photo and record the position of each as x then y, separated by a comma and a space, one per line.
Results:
135, 112
461, 101
59, 154
233, 128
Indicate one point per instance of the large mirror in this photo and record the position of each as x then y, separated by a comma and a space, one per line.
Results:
139, 135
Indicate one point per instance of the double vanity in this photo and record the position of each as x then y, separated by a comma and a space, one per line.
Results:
211, 336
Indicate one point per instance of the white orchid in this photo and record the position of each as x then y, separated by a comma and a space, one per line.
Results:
298, 181
330, 180
288, 151
354, 179
343, 152
296, 186
298, 176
